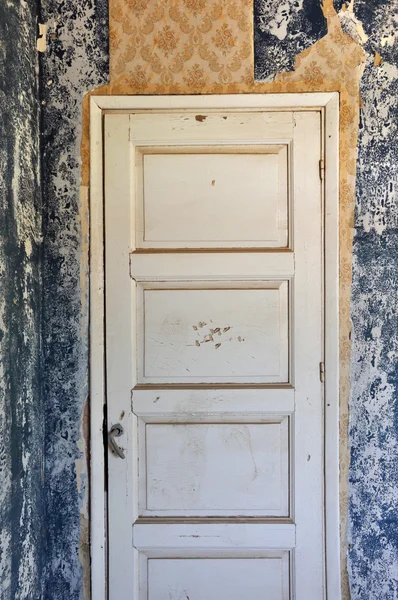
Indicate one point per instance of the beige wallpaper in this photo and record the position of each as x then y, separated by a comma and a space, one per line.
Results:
206, 46
178, 44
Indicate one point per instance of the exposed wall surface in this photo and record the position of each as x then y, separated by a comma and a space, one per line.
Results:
282, 30
373, 555
44, 551
75, 61
21, 417
181, 46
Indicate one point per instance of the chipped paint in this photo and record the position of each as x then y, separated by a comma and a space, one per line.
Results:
377, 61
41, 45
351, 25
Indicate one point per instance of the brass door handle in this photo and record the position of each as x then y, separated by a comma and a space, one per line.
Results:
114, 432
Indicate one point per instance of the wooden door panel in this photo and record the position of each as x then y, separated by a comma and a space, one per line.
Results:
178, 405
201, 198
198, 539
191, 128
214, 469
213, 578
213, 334
193, 266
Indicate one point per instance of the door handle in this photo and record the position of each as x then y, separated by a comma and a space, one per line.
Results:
114, 432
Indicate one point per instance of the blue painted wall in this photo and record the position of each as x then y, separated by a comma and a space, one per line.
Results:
21, 414
282, 31
373, 555
43, 302
76, 61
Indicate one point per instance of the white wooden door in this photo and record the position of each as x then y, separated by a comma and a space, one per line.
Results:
214, 339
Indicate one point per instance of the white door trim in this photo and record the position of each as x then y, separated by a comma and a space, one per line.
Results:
328, 103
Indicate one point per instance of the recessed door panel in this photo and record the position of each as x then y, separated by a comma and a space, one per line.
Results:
215, 578
214, 334
214, 469
197, 198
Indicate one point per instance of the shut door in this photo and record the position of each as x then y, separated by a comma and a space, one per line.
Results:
214, 342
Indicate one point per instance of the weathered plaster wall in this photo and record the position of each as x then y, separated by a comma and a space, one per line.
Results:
43, 296
282, 30
373, 555
76, 61
21, 419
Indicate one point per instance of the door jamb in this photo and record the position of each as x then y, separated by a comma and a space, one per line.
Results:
328, 104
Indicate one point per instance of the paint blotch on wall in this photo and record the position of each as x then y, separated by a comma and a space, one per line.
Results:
281, 31
380, 22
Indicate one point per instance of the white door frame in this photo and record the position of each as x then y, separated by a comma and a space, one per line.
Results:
328, 104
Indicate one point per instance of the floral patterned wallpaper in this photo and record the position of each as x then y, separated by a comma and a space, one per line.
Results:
183, 43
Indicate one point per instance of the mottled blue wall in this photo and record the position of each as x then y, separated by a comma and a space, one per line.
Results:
43, 295
21, 415
76, 61
373, 555
281, 31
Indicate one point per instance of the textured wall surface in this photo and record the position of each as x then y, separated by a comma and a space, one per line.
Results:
43, 297
74, 63
373, 555
21, 419
282, 30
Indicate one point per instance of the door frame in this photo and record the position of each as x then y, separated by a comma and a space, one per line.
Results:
328, 104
